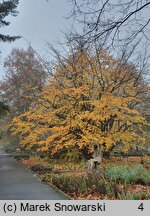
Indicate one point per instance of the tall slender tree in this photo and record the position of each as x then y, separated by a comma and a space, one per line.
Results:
3, 108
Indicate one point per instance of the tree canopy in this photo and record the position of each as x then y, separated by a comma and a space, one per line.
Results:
92, 99
24, 79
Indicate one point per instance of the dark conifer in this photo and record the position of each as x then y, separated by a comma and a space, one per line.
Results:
7, 8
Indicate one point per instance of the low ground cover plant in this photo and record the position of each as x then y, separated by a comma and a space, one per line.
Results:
95, 186
112, 181
127, 174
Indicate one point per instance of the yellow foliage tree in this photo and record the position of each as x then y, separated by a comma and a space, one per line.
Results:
92, 99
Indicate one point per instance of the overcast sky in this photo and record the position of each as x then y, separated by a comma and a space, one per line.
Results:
38, 21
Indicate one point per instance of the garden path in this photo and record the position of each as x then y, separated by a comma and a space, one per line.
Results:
17, 183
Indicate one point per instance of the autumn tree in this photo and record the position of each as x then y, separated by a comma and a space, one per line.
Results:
7, 8
91, 99
23, 81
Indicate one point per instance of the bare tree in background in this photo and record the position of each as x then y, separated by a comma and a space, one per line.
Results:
118, 21
24, 79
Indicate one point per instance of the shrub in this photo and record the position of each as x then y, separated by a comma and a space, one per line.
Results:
40, 168
69, 184
82, 185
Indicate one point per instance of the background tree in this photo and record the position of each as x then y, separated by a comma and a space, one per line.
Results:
24, 79
92, 99
4, 109
7, 8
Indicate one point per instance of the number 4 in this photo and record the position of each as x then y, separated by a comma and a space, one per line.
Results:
141, 207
